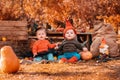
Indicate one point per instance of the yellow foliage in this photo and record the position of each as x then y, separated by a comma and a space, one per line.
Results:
50, 10
114, 20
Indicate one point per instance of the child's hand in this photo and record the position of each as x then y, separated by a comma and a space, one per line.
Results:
56, 47
58, 43
34, 54
85, 49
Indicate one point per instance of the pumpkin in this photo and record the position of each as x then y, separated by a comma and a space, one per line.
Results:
4, 38
9, 63
86, 55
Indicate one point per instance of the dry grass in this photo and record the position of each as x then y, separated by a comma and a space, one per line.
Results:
89, 70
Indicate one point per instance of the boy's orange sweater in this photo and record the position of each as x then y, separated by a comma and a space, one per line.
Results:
42, 45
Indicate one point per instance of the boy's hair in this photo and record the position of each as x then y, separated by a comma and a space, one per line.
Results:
41, 28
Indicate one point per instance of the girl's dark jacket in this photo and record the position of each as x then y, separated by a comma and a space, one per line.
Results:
70, 46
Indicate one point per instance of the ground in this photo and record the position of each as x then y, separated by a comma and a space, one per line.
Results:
83, 70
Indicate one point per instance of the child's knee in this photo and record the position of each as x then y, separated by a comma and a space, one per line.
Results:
60, 56
50, 57
78, 56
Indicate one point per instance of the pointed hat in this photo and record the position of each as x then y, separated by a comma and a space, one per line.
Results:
103, 41
68, 26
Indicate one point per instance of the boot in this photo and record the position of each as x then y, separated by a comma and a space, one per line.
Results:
62, 60
73, 59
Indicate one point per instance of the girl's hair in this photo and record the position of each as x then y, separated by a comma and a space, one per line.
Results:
40, 28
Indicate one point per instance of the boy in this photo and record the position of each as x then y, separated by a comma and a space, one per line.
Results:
42, 46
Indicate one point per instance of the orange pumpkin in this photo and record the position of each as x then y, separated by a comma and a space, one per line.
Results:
9, 63
4, 38
86, 55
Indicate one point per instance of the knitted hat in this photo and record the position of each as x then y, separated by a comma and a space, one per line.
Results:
68, 26
103, 41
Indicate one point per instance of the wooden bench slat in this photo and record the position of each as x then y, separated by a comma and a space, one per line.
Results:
34, 37
17, 38
13, 23
8, 38
118, 36
13, 28
13, 33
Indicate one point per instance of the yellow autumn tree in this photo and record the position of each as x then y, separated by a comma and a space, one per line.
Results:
51, 11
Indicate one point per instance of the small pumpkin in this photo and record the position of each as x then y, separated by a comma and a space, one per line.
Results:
86, 55
4, 38
9, 63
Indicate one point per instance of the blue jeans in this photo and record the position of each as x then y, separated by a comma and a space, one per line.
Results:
48, 56
69, 55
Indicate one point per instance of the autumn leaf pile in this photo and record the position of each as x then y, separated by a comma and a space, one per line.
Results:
83, 70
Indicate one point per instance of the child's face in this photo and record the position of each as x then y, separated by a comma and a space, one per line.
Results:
70, 34
41, 34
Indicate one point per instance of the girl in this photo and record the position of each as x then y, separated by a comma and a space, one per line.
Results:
70, 47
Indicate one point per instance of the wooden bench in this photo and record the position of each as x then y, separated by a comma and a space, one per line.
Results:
118, 39
13, 30
58, 36
14, 34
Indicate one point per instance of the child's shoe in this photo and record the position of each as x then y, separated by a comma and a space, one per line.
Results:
37, 59
73, 59
62, 60
43, 61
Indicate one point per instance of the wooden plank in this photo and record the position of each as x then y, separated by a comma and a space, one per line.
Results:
118, 36
8, 38
12, 33
57, 38
12, 28
32, 37
50, 32
118, 30
118, 39
17, 38
13, 23
53, 37
55, 33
